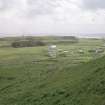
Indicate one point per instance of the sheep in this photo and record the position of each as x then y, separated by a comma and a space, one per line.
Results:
65, 51
81, 51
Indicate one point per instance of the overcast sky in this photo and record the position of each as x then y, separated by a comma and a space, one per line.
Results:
52, 16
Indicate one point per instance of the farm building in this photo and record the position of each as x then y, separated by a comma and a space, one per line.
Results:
52, 51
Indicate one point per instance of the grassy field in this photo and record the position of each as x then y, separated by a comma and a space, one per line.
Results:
28, 76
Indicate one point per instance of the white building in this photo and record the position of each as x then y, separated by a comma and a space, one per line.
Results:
52, 51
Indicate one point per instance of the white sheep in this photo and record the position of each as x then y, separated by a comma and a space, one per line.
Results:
65, 51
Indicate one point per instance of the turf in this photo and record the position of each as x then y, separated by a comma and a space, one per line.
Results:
29, 77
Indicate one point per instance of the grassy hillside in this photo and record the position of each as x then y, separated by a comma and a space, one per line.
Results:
80, 85
29, 77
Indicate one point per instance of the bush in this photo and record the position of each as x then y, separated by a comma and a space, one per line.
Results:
68, 39
27, 43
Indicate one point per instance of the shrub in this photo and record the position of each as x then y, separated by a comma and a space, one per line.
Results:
27, 43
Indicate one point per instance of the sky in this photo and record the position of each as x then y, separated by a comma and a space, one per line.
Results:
52, 17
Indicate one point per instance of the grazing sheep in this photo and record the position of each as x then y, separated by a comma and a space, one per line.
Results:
60, 50
65, 51
100, 50
81, 51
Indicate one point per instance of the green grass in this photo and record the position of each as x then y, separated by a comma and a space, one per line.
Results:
29, 77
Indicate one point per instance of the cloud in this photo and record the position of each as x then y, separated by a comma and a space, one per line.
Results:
29, 8
34, 8
94, 4
6, 5
41, 7
52, 16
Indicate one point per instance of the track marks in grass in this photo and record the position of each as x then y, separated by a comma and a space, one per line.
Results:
11, 85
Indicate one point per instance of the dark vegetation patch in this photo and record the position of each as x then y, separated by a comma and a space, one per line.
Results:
42, 85
7, 78
57, 102
27, 43
30, 41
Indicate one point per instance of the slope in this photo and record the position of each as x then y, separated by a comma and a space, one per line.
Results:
80, 85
